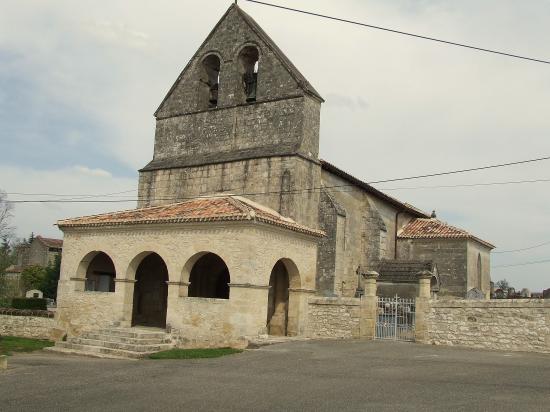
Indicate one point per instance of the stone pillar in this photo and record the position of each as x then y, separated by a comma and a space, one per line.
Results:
368, 308
298, 310
422, 307
3, 362
124, 289
249, 303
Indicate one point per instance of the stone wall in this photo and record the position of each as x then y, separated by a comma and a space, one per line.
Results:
449, 255
513, 325
26, 324
261, 180
333, 318
250, 251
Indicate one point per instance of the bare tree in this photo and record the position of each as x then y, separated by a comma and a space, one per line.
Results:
6, 230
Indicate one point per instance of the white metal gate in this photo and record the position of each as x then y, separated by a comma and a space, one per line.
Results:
395, 319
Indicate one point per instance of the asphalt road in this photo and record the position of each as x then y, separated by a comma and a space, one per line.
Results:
312, 376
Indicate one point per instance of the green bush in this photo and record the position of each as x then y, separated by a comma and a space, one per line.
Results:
29, 303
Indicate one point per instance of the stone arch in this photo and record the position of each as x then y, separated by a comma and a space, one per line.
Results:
96, 273
283, 309
150, 297
207, 275
249, 65
209, 82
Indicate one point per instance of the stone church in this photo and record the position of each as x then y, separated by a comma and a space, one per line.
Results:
239, 222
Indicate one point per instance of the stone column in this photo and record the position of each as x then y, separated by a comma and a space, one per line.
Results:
422, 307
124, 289
298, 310
368, 308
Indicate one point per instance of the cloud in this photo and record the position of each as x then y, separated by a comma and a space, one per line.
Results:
92, 172
67, 186
78, 85
118, 33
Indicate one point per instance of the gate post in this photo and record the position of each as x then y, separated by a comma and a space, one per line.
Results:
422, 307
368, 308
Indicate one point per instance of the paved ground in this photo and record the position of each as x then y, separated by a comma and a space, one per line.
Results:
320, 376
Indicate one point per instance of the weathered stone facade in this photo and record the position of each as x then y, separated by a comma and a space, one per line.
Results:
18, 323
241, 120
512, 325
250, 252
331, 318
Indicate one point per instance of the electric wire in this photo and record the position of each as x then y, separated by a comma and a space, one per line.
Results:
447, 42
535, 262
523, 249
326, 187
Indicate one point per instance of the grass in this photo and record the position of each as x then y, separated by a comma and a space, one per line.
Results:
194, 353
10, 344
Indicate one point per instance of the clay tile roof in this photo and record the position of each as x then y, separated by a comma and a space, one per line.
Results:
201, 209
49, 242
436, 229
329, 167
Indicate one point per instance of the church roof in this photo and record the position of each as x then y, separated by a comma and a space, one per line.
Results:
436, 229
255, 27
402, 271
368, 188
49, 242
200, 209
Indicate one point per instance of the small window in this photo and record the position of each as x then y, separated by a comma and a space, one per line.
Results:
248, 58
210, 80
35, 295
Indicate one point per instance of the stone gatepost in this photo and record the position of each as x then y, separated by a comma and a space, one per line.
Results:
125, 290
368, 307
422, 307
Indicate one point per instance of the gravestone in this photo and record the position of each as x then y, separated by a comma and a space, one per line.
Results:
475, 294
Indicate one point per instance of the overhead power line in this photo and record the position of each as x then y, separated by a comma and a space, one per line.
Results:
418, 36
468, 185
463, 170
535, 262
523, 249
80, 199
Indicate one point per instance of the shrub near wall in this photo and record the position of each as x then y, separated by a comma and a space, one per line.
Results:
29, 303
37, 324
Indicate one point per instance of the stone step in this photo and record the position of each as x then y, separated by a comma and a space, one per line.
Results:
66, 351
134, 333
150, 348
90, 350
122, 339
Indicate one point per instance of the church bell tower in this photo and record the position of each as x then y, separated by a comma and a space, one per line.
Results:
239, 119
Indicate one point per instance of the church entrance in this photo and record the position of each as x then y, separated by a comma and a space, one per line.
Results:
277, 306
150, 293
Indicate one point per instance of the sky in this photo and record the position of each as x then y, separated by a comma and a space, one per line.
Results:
79, 82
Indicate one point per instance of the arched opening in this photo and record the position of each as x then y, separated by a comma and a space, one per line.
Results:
209, 278
249, 60
100, 274
150, 292
210, 81
278, 300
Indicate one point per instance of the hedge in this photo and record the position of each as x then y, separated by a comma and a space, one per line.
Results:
29, 303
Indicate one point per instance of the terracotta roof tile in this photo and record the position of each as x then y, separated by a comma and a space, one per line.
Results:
57, 243
201, 209
435, 229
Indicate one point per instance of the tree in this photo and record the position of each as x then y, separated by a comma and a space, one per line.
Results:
33, 277
49, 286
6, 230
6, 234
502, 284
